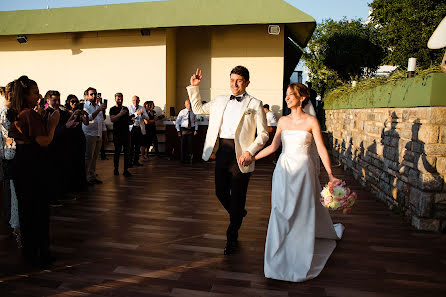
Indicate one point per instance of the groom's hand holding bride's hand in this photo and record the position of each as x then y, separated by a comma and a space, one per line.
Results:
196, 78
245, 159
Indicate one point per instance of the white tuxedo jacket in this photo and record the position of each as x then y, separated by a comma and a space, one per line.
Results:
252, 119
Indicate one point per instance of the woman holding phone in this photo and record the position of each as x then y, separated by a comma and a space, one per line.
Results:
76, 179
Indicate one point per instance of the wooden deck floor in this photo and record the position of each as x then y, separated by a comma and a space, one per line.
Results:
162, 233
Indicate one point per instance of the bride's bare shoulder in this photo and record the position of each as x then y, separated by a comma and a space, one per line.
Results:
309, 117
284, 119
313, 122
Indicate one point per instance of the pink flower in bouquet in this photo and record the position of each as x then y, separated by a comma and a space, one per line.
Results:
346, 210
347, 192
328, 200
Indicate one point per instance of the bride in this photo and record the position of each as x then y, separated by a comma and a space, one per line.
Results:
301, 235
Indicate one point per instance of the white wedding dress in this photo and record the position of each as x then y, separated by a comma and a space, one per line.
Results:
301, 235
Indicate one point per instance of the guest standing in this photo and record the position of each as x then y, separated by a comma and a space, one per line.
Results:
146, 138
104, 139
57, 147
137, 130
7, 153
271, 119
75, 176
93, 134
187, 127
119, 116
151, 126
32, 137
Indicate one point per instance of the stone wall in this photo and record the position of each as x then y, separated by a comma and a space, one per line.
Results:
399, 154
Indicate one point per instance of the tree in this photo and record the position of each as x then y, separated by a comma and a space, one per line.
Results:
406, 26
342, 51
353, 52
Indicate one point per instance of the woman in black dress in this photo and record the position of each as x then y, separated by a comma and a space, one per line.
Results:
32, 136
76, 179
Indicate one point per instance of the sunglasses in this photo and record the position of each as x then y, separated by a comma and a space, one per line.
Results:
74, 102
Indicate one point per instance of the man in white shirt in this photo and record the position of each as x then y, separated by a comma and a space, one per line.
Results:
187, 127
137, 130
93, 134
237, 131
271, 119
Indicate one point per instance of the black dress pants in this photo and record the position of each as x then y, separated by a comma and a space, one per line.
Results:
152, 139
135, 144
187, 144
103, 156
121, 142
231, 186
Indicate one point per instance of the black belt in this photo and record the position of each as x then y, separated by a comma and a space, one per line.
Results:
226, 143
187, 130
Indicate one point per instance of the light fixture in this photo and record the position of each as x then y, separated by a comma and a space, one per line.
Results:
145, 32
411, 65
22, 39
274, 29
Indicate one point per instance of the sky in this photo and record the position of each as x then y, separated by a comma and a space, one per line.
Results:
318, 9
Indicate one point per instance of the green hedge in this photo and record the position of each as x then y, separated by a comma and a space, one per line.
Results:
428, 90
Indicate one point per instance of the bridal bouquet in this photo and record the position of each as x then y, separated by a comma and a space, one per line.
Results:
335, 195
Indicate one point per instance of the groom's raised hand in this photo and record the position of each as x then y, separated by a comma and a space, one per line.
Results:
195, 79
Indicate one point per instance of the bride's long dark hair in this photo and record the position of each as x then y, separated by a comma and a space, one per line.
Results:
300, 90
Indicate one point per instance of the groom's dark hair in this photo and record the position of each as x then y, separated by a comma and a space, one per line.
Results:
242, 71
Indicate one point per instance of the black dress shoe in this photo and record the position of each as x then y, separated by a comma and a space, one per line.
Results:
137, 164
45, 261
126, 173
116, 172
97, 181
55, 203
231, 247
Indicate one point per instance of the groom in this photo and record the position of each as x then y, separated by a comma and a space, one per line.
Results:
234, 122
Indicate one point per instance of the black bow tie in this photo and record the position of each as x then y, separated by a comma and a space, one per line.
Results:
238, 98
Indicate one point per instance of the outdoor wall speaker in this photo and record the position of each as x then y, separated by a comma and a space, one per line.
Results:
22, 39
145, 32
274, 29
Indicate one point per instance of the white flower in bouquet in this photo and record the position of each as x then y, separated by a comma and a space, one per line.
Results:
326, 193
339, 192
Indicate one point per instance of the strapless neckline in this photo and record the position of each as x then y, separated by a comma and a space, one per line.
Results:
295, 130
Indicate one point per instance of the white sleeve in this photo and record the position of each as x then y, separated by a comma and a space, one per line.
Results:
178, 121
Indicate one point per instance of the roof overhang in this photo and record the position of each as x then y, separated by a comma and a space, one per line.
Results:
159, 14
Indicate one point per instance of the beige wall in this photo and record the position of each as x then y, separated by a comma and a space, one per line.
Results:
193, 51
156, 67
252, 47
218, 49
110, 61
